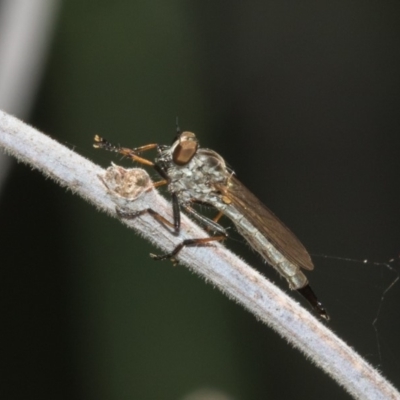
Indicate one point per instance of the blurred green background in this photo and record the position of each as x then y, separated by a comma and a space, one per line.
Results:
302, 99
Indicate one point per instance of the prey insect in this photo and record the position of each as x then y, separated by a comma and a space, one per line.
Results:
196, 175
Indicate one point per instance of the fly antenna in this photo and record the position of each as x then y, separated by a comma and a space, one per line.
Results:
178, 129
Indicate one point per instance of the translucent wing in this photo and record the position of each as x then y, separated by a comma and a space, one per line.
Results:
266, 222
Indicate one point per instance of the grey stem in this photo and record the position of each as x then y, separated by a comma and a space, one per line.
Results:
132, 191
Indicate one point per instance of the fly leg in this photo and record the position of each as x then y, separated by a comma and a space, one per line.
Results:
196, 242
176, 226
130, 215
101, 143
186, 243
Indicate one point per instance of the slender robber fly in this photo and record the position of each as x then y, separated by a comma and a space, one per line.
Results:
195, 175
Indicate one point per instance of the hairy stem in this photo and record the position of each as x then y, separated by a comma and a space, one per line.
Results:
132, 191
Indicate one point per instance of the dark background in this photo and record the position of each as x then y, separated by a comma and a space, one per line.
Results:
302, 99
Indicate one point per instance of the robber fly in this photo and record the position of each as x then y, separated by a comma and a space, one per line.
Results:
195, 175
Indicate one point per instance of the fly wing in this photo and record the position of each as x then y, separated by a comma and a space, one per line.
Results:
266, 222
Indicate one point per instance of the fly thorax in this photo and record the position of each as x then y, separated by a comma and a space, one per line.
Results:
196, 179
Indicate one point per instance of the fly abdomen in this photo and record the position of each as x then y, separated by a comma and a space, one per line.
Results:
291, 272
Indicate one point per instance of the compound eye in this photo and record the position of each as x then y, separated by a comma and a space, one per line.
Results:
184, 152
185, 149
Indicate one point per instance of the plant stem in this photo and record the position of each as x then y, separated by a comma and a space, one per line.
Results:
132, 190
